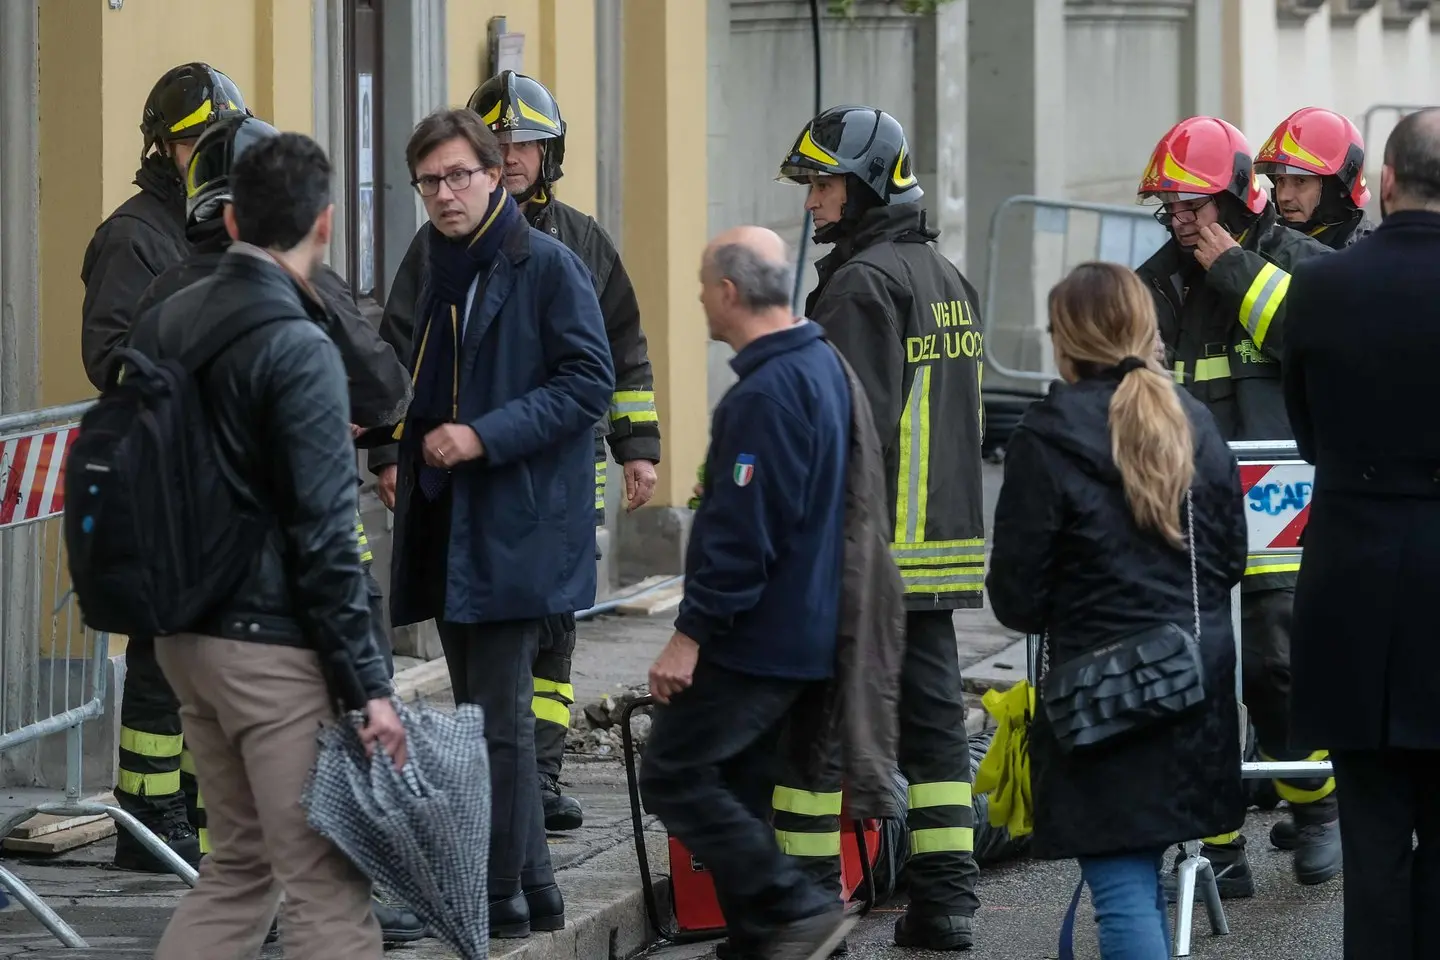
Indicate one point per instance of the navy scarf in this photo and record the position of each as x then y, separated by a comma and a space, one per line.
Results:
454, 266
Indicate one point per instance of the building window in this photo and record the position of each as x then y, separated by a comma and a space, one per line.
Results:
364, 102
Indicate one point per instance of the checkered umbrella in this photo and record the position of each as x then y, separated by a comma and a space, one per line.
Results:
422, 833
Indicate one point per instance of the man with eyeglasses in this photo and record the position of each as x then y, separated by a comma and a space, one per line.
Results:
1219, 287
494, 526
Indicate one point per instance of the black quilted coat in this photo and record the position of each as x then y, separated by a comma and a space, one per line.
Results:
1070, 562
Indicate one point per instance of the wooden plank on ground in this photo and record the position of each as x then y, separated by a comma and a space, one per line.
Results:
63, 840
43, 824
657, 601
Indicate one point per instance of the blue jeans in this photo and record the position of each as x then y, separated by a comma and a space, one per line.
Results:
1129, 905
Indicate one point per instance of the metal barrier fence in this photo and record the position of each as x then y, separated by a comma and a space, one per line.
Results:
1373, 145
1064, 234
53, 671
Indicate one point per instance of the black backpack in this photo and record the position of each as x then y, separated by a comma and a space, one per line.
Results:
156, 529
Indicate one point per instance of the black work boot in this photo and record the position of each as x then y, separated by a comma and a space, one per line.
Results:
1232, 871
547, 907
1317, 841
1285, 835
934, 931
398, 923
176, 832
813, 938
561, 812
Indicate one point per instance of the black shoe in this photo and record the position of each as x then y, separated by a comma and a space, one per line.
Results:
1232, 872
561, 812
813, 938
1284, 835
935, 932
398, 924
1317, 852
510, 917
547, 907
130, 854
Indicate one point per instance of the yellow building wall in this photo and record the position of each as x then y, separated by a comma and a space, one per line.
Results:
97, 65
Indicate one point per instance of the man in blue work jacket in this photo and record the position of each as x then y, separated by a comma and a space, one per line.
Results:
755, 638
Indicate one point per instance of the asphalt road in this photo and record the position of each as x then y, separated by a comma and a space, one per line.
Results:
1023, 903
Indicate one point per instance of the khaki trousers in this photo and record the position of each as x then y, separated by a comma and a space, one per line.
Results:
251, 712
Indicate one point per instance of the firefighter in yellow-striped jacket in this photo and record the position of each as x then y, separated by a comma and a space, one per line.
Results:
906, 320
1219, 287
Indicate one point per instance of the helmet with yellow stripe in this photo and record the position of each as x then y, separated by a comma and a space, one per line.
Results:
1202, 157
864, 142
1317, 142
518, 109
185, 101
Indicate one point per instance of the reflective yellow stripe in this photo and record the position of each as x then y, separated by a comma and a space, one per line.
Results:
364, 542
1220, 840
551, 711
199, 800
1293, 794
149, 784
805, 803
205, 841
965, 579
1262, 300
946, 793
1206, 368
798, 844
914, 479
934, 553
1259, 564
151, 744
194, 118
187, 763
634, 405
942, 840
601, 469
565, 690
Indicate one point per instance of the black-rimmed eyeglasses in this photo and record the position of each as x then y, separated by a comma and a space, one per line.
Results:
456, 180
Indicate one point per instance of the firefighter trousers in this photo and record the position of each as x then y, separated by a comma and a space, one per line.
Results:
1265, 618
935, 759
553, 692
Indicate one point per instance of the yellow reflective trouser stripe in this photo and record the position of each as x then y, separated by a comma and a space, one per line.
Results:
205, 841
151, 744
1293, 794
942, 840
941, 566
565, 690
953, 793
634, 405
914, 480
805, 803
1262, 300
365, 555
551, 711
964, 579
187, 763
1206, 368
1219, 840
797, 844
1259, 564
600, 471
149, 784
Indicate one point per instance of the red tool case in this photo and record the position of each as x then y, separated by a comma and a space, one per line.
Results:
695, 913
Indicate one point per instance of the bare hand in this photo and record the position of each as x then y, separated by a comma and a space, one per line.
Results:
1214, 240
382, 726
639, 483
385, 485
674, 669
451, 444
355, 431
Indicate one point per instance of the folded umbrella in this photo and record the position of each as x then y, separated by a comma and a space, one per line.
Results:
423, 832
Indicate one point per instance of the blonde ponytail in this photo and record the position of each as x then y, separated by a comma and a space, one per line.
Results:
1102, 316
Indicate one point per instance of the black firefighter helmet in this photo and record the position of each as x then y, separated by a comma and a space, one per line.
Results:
207, 180
185, 101
864, 142
518, 109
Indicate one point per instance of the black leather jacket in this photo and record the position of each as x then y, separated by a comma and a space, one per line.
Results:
282, 419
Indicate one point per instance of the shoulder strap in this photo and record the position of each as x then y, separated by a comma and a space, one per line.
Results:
237, 323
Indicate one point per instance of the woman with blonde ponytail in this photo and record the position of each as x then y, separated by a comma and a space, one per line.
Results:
1121, 513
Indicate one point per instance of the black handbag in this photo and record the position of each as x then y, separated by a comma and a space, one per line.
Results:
1129, 683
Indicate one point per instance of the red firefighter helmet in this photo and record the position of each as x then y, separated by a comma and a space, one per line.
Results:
1201, 157
1314, 141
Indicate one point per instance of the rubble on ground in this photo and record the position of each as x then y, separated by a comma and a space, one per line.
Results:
595, 726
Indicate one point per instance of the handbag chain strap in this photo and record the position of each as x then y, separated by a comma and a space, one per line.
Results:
1194, 577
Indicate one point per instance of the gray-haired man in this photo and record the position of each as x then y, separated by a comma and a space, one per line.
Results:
756, 632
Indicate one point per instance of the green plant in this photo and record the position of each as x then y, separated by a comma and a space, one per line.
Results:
846, 8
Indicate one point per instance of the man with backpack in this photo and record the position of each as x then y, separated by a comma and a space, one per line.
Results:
211, 499
379, 388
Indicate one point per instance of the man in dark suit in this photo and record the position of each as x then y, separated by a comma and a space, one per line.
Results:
1363, 349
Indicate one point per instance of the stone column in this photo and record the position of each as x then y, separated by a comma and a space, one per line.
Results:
938, 137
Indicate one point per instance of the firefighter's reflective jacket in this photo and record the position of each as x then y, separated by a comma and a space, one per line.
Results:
1224, 333
632, 425
908, 322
